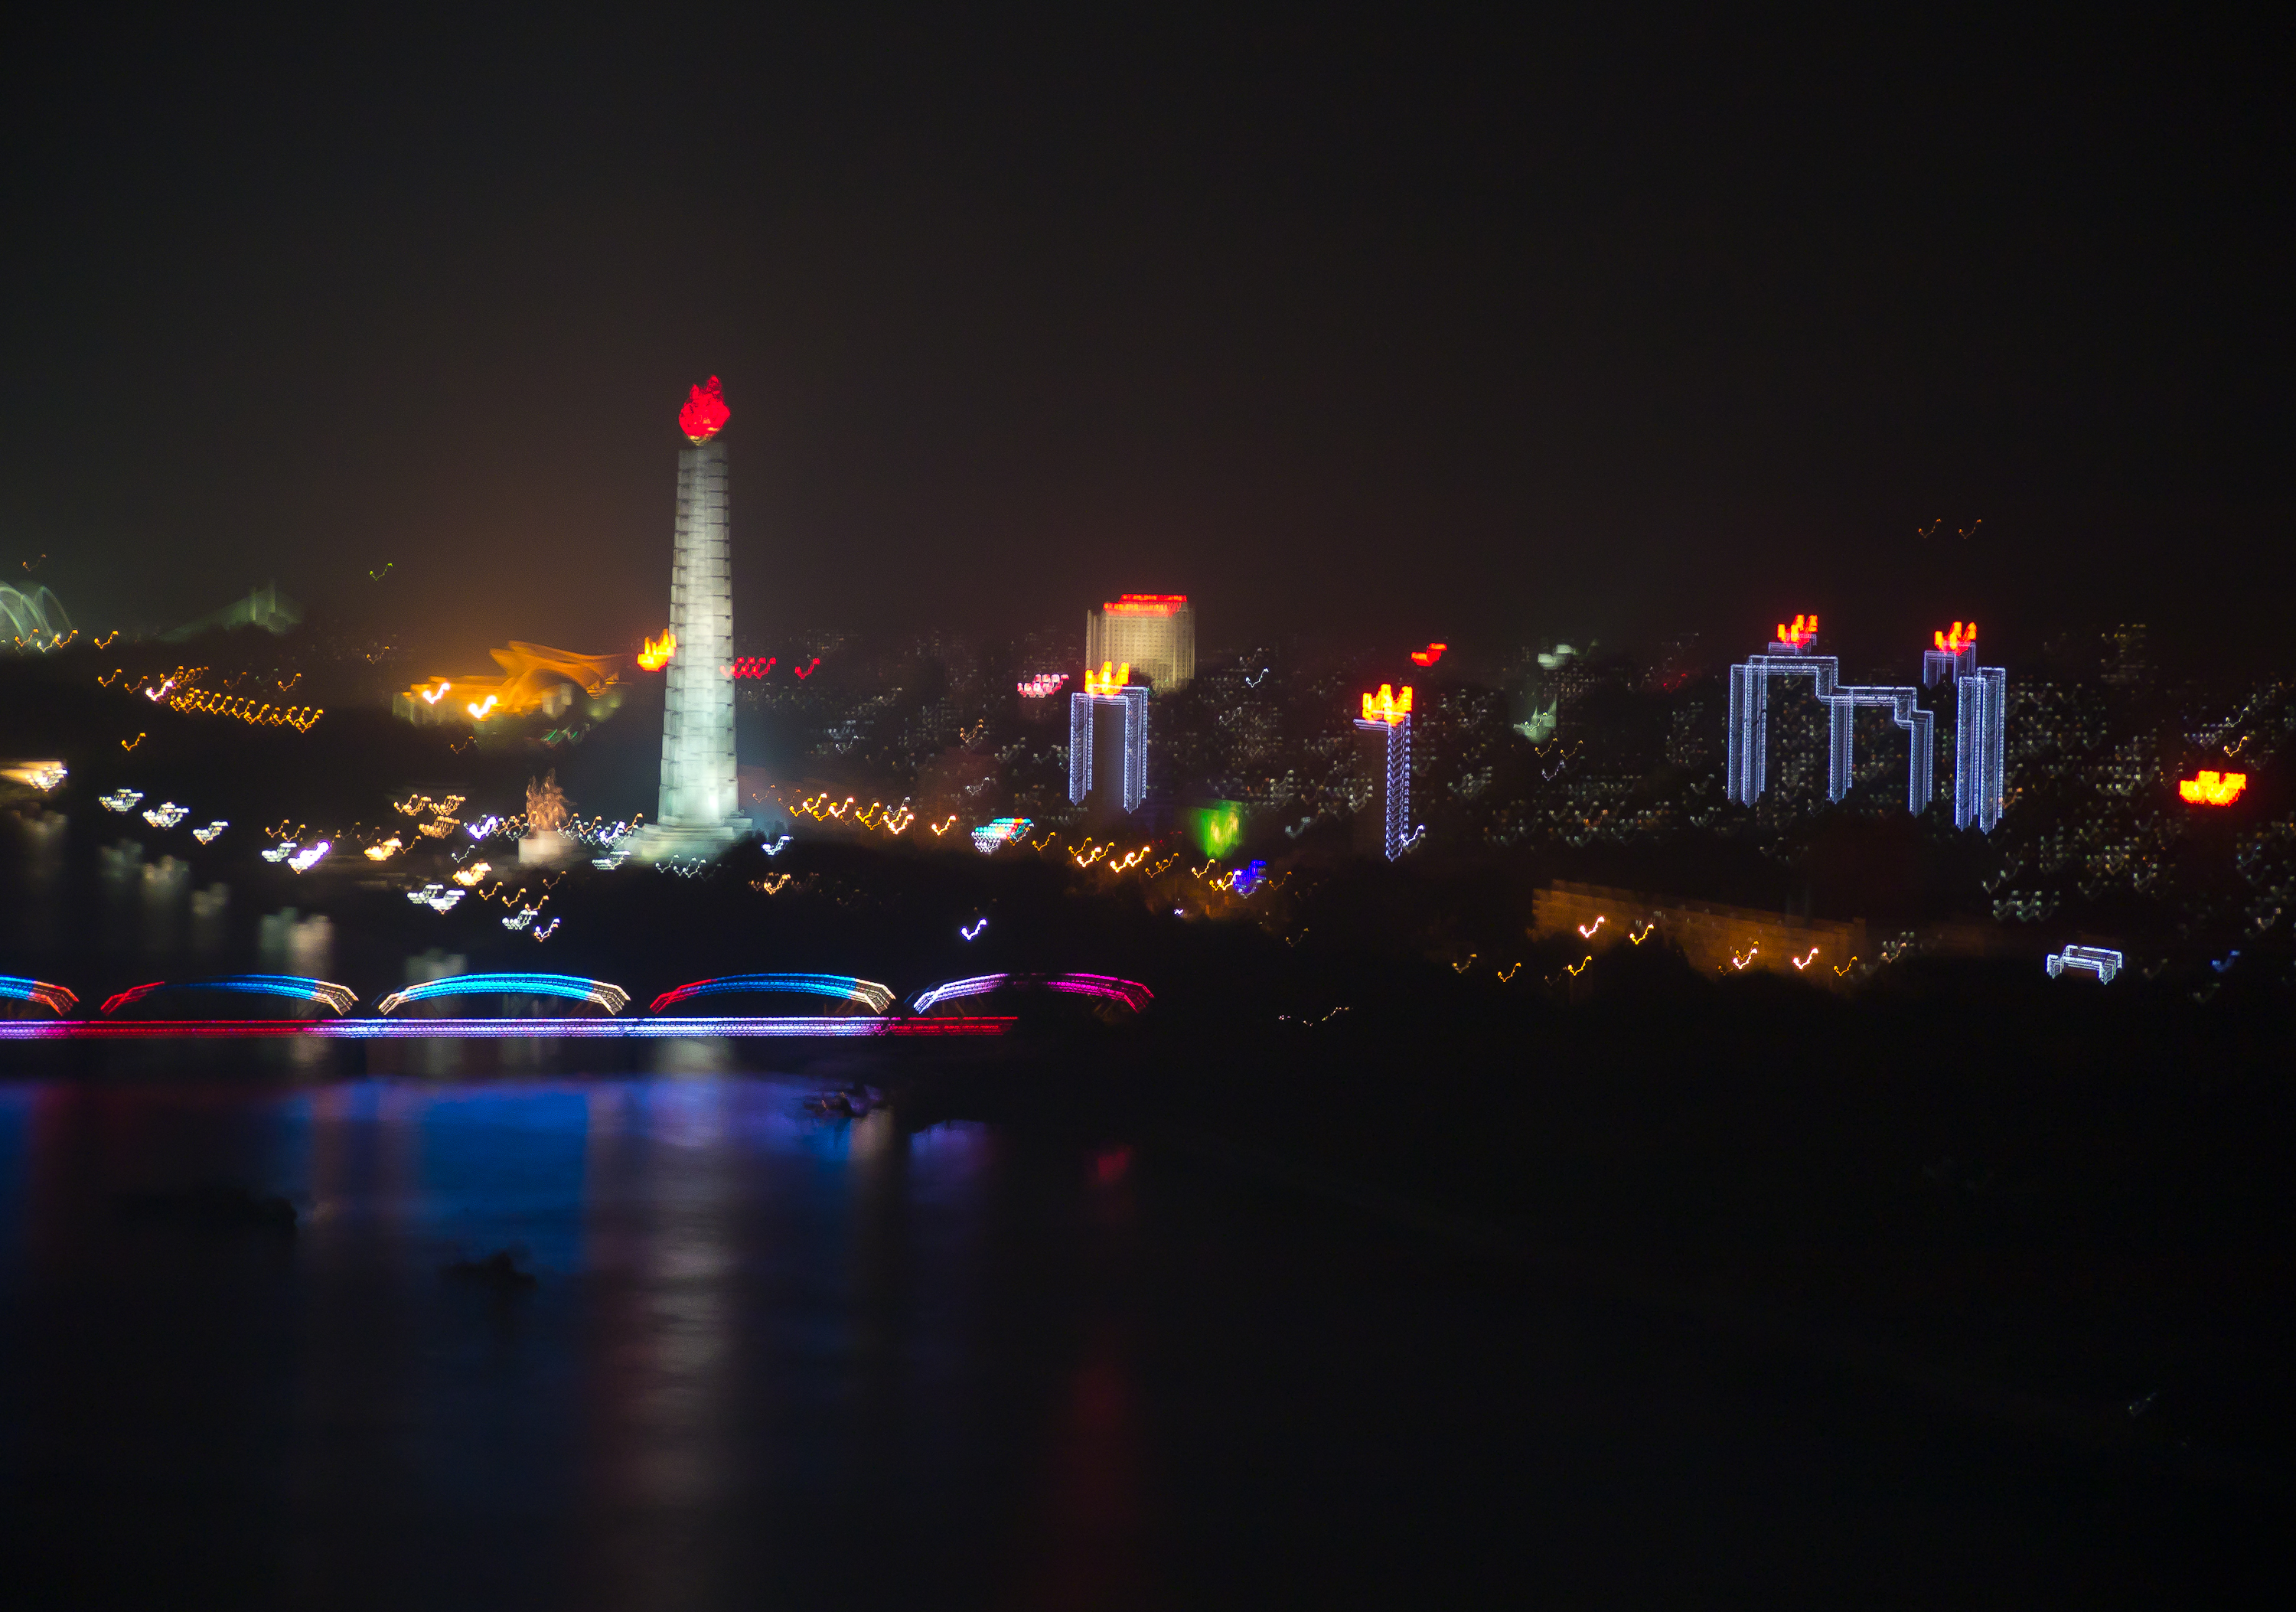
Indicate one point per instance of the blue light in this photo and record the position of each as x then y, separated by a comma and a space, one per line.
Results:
2096, 959
1746, 772
612, 997
1135, 783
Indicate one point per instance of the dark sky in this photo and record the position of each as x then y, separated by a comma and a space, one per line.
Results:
1409, 329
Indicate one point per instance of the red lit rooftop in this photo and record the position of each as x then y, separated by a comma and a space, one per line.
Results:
1145, 605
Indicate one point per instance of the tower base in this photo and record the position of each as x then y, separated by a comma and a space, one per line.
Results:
684, 842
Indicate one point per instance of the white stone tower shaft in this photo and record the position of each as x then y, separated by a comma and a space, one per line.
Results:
698, 794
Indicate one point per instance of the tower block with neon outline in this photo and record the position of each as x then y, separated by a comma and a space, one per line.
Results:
698, 797
1108, 745
1383, 742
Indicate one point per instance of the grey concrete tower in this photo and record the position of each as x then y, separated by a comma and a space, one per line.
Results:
698, 800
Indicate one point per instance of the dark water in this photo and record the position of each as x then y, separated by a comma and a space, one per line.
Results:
770, 1361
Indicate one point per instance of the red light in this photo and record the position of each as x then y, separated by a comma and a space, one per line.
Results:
1146, 605
1429, 655
804, 672
2212, 788
705, 412
1959, 639
1804, 630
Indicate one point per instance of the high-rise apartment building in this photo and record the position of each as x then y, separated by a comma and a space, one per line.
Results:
1108, 745
1384, 746
1153, 633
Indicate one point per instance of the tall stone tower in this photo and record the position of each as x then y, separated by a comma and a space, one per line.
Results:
697, 800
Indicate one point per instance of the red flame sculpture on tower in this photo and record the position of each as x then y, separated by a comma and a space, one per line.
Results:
705, 412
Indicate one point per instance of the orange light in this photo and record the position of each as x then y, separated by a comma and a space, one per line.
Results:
1387, 705
1960, 638
2213, 788
656, 654
1429, 655
1112, 676
1803, 631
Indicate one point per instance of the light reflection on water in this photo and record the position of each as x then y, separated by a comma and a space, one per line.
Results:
745, 1321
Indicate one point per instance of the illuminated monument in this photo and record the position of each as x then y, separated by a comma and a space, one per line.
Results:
698, 796
1980, 720
1747, 772
1383, 734
1108, 742
1153, 633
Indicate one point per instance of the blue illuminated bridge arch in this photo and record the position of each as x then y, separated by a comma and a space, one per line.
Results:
573, 988
863, 993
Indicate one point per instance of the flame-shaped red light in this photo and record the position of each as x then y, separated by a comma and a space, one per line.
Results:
1429, 655
705, 412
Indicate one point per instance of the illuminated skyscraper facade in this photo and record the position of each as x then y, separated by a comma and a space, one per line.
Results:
1746, 769
1980, 721
1153, 633
1384, 733
698, 795
1108, 743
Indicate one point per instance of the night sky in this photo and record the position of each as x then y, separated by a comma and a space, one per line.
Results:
1401, 330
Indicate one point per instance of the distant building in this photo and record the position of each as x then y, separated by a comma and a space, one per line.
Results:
1108, 745
1384, 738
1153, 633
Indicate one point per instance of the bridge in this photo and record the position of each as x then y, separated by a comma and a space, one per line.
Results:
871, 1008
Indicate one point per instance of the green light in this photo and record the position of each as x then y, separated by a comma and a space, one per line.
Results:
1217, 829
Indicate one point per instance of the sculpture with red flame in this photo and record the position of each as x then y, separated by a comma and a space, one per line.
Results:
705, 412
1387, 705
2212, 788
1801, 634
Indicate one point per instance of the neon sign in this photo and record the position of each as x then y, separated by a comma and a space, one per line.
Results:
2212, 788
1044, 684
704, 413
1147, 605
749, 666
1429, 655
656, 654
